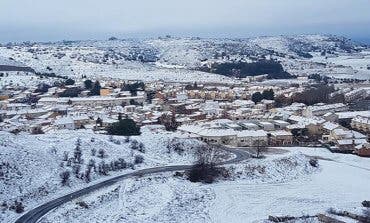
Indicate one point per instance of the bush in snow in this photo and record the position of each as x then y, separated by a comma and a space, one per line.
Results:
139, 159
87, 175
82, 204
65, 177
93, 152
101, 153
115, 141
366, 204
314, 162
103, 168
69, 161
37, 131
141, 147
78, 152
17, 207
206, 173
206, 169
134, 145
176, 145
65, 156
76, 169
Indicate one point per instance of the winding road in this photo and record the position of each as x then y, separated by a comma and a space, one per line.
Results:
37, 213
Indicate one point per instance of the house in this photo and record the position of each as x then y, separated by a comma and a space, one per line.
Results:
347, 140
92, 101
280, 124
330, 117
213, 134
327, 128
267, 126
65, 123
249, 126
211, 108
280, 137
181, 96
321, 109
363, 150
251, 138
345, 118
361, 124
105, 91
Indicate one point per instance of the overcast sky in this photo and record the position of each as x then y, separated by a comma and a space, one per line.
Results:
43, 20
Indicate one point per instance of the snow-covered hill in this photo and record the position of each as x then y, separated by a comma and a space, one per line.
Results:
168, 59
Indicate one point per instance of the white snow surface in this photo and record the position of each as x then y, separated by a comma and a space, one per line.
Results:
32, 163
280, 185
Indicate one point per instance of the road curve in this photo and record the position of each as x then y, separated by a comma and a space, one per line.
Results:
35, 214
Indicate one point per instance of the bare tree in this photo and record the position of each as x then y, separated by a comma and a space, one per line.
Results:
206, 169
260, 147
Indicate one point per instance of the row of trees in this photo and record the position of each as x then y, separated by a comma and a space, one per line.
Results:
134, 87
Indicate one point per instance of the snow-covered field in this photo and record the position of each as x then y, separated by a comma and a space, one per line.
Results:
31, 164
356, 65
280, 185
23, 79
341, 183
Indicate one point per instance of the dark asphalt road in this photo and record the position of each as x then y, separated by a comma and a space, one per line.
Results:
35, 214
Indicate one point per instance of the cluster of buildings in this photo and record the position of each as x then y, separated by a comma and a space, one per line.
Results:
217, 114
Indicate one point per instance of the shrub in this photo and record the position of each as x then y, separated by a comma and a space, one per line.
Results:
206, 169
88, 84
139, 159
101, 153
65, 177
82, 204
205, 173
366, 204
69, 81
19, 208
314, 162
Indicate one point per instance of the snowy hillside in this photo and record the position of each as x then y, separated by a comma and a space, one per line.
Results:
279, 185
168, 59
31, 165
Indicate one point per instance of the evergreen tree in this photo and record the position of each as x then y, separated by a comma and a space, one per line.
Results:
88, 84
124, 127
95, 89
78, 152
69, 81
257, 97
268, 94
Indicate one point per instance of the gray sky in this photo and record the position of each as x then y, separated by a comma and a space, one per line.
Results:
43, 20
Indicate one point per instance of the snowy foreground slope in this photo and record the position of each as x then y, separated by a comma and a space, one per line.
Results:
31, 164
279, 185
